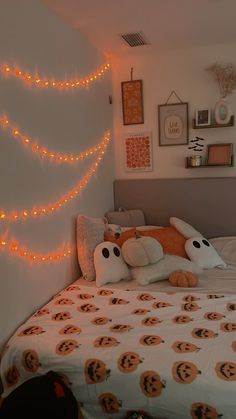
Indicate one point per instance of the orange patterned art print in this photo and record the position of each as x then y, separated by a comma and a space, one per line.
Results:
138, 152
132, 102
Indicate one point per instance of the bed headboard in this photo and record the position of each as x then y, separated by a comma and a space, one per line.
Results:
209, 204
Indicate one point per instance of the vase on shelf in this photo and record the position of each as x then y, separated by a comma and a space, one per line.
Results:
222, 112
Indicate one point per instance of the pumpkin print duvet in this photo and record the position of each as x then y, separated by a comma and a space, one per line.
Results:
171, 355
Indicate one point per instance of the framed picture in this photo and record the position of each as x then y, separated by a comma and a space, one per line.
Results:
219, 154
203, 117
138, 152
173, 124
132, 102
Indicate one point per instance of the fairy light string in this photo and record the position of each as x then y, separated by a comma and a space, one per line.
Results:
43, 152
14, 248
63, 200
39, 81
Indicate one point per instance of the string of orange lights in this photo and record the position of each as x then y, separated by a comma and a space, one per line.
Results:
13, 247
39, 81
43, 152
63, 200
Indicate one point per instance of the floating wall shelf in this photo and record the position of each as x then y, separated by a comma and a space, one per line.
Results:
214, 125
188, 166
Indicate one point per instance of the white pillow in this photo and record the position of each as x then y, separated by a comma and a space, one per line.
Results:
161, 270
183, 228
90, 232
201, 251
109, 264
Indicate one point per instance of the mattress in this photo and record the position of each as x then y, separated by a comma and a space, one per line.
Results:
167, 351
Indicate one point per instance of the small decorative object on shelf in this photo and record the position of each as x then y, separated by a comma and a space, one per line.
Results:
203, 117
225, 77
197, 146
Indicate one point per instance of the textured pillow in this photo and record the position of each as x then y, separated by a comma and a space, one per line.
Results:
161, 270
201, 251
184, 228
123, 217
171, 240
90, 232
109, 264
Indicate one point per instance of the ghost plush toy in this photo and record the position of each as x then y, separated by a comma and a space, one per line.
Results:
109, 264
201, 252
198, 248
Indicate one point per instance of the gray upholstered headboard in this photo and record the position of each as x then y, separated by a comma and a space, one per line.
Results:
209, 204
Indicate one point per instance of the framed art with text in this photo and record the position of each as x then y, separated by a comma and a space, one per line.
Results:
138, 152
132, 102
173, 124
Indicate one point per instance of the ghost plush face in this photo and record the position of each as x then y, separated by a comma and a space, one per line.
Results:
109, 264
201, 252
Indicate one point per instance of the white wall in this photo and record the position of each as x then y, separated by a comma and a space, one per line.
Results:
65, 121
184, 72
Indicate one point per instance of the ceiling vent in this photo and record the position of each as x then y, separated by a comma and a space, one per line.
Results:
135, 39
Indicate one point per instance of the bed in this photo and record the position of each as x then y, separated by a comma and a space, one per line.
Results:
122, 347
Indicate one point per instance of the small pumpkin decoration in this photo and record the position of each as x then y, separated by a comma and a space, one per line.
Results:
183, 279
142, 251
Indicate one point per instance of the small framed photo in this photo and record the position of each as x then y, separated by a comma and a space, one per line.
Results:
138, 152
203, 117
219, 154
132, 102
173, 124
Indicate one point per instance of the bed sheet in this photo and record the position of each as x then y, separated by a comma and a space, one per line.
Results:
171, 354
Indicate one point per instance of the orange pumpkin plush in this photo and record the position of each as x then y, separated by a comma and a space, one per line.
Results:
183, 279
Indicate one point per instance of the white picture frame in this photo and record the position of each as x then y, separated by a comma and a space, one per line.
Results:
203, 117
138, 152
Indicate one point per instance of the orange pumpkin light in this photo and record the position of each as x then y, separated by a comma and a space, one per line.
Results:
183, 279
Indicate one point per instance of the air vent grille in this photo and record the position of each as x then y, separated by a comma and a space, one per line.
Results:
135, 39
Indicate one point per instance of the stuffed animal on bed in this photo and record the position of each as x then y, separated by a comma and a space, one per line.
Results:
148, 263
178, 253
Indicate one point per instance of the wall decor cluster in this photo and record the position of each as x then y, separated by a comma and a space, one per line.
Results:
138, 152
173, 123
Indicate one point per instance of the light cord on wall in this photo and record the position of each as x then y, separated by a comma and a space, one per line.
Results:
63, 200
43, 152
42, 82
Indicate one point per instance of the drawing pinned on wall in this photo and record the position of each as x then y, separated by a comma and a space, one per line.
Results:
138, 152
132, 101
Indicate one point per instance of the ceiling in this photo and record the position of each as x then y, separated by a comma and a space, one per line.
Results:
166, 24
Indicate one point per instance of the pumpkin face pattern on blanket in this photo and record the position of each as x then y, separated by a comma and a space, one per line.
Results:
151, 384
122, 350
185, 372
95, 371
32, 330
129, 362
30, 360
204, 411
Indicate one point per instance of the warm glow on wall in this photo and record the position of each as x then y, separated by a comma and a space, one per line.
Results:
14, 248
43, 152
63, 200
40, 81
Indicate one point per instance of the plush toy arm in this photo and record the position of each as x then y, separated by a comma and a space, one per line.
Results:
184, 228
